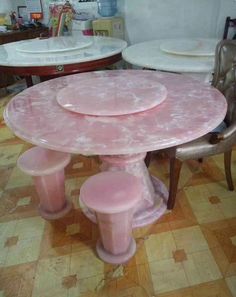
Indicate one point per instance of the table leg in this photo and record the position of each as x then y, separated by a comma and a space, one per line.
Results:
155, 193
29, 81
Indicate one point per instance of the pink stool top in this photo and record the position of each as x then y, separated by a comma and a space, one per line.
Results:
190, 110
38, 161
111, 192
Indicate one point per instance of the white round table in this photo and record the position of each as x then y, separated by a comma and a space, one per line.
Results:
58, 56
167, 55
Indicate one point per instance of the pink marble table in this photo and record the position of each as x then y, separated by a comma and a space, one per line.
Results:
189, 110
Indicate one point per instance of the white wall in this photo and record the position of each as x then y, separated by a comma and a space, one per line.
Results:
16, 3
153, 19
5, 6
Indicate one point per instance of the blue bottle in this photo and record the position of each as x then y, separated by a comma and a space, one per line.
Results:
107, 8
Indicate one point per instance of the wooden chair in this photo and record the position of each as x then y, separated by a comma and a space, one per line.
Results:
224, 80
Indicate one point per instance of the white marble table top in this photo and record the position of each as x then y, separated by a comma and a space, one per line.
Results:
190, 110
93, 48
190, 47
54, 45
149, 54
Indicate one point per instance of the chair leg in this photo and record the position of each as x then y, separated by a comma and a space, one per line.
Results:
227, 162
175, 167
147, 159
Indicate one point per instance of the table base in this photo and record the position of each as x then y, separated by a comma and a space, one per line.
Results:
149, 215
155, 193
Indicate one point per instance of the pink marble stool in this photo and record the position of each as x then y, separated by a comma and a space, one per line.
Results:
47, 169
114, 197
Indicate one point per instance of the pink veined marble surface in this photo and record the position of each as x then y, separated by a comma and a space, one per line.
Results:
113, 196
121, 95
47, 169
110, 193
191, 109
38, 161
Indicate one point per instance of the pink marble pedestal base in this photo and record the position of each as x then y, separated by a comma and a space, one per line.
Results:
47, 169
116, 259
55, 215
155, 194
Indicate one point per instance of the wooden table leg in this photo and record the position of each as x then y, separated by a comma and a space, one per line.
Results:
29, 81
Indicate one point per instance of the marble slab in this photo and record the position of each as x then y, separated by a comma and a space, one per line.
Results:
190, 110
54, 45
127, 94
149, 55
190, 47
101, 47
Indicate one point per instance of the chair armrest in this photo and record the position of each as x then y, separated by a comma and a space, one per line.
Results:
216, 137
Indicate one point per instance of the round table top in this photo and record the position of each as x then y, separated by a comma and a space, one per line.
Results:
190, 110
121, 95
91, 48
53, 45
150, 55
190, 47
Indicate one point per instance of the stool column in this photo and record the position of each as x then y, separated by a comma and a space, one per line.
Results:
47, 169
117, 244
51, 192
113, 196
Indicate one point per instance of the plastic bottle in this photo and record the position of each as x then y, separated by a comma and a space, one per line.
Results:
107, 8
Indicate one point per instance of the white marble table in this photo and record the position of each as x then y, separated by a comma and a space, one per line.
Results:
190, 56
174, 109
57, 56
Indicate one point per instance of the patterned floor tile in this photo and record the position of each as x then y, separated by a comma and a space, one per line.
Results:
190, 239
21, 241
18, 179
231, 282
17, 281
69, 275
18, 203
167, 275
6, 134
9, 154
204, 210
160, 246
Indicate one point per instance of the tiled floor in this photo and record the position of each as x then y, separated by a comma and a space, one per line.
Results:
189, 252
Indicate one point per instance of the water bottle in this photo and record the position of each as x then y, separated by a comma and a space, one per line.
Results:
107, 8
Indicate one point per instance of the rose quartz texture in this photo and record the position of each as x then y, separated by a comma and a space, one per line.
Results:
119, 96
190, 109
155, 194
113, 196
47, 169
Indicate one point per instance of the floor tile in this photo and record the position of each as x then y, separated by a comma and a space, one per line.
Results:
19, 179
190, 239
160, 246
203, 209
167, 275
231, 282
201, 267
9, 154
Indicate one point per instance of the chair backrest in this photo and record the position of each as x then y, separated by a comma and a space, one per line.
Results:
229, 23
224, 78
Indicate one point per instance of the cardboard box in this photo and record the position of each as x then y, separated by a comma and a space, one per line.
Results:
112, 27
